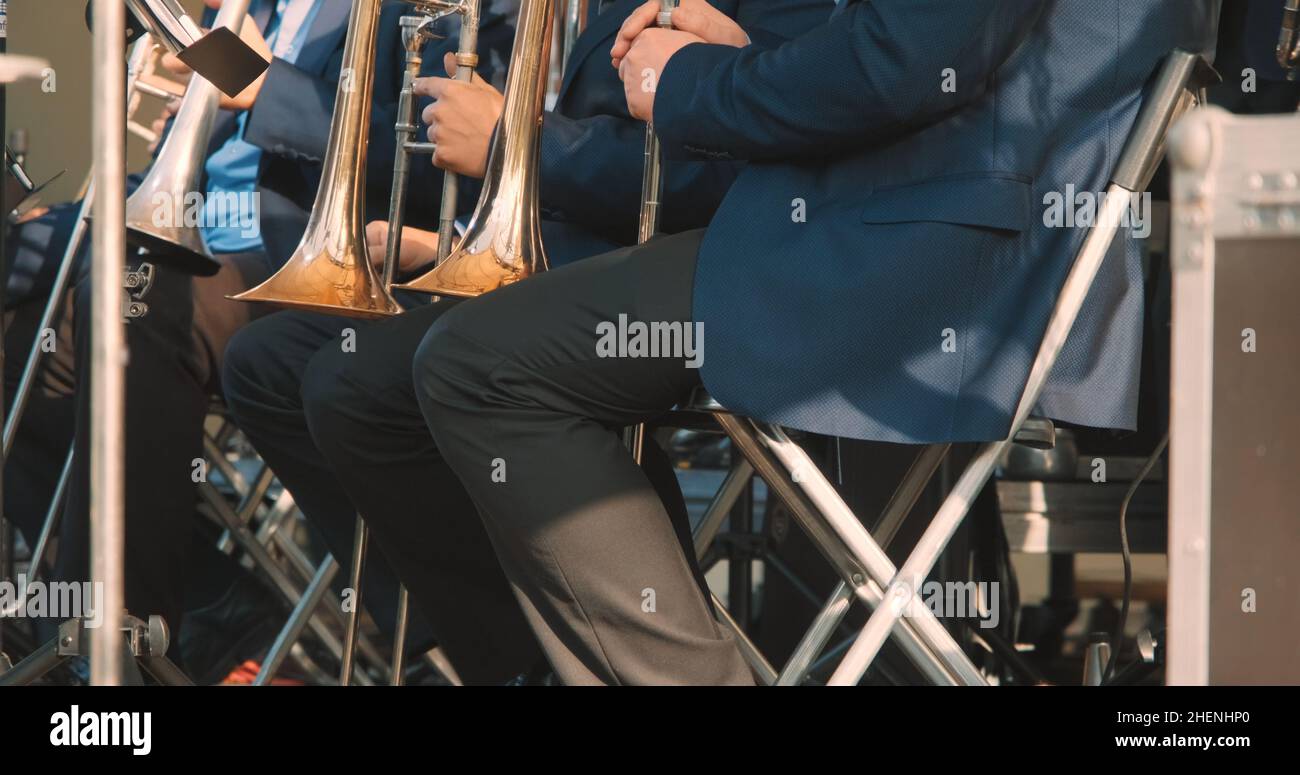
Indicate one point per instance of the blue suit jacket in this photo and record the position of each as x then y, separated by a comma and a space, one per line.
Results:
592, 150
881, 268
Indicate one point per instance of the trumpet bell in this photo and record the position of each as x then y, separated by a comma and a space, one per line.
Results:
336, 280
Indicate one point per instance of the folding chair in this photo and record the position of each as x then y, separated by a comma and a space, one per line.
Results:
866, 573
1173, 92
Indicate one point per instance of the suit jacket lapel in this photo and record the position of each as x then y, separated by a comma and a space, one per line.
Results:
330, 24
599, 27
261, 13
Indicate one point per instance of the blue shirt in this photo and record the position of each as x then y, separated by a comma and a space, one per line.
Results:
232, 170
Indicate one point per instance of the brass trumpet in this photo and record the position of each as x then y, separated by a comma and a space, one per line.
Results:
503, 243
155, 219
330, 271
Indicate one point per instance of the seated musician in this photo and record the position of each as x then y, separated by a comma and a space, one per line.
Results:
881, 269
328, 402
268, 140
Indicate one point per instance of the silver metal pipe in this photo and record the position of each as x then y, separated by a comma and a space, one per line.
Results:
908, 492
466, 61
108, 346
355, 576
814, 640
575, 21
297, 622
652, 180
728, 493
763, 669
28, 379
52, 516
413, 40
399, 637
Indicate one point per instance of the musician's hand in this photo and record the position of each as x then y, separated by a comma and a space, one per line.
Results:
694, 16
252, 35
419, 247
461, 120
644, 62
31, 215
160, 124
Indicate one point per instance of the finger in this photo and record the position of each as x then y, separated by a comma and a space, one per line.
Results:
377, 240
639, 19
687, 19
377, 232
449, 64
431, 87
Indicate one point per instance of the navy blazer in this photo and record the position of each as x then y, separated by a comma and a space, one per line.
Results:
882, 268
592, 150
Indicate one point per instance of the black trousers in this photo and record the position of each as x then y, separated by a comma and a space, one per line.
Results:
174, 358
330, 404
514, 382
327, 401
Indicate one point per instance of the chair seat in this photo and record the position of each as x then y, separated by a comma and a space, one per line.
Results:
1037, 433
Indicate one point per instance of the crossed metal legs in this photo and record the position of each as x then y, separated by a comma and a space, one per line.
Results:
863, 567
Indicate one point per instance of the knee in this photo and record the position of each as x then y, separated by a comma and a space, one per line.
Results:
448, 375
332, 402
245, 382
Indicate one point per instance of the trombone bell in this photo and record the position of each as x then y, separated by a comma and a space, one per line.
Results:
330, 271
335, 279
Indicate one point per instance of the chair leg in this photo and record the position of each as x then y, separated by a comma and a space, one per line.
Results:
354, 616
813, 641
730, 491
244, 538
399, 636
52, 518
763, 669
908, 493
845, 542
297, 622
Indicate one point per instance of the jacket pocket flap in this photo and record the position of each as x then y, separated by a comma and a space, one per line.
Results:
993, 202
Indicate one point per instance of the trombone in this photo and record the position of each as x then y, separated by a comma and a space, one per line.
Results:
155, 220
503, 242
330, 270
